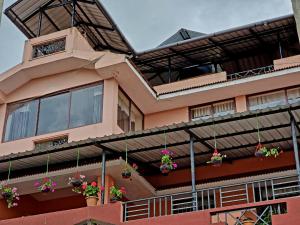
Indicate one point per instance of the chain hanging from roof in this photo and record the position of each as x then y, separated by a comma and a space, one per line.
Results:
126, 173
167, 162
77, 179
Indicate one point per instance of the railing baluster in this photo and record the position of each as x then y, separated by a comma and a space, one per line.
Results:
215, 200
202, 199
149, 210
266, 187
259, 189
172, 205
166, 205
154, 208
125, 211
159, 206
247, 193
253, 191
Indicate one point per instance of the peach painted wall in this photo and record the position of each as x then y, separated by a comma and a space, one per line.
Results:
237, 168
58, 82
241, 103
166, 118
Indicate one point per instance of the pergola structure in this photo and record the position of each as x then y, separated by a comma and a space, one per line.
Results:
192, 143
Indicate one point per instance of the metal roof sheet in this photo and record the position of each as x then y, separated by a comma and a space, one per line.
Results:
236, 136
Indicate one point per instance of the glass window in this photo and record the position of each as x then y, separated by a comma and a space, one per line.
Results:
216, 109
136, 119
293, 95
130, 117
267, 100
223, 108
21, 120
123, 112
86, 106
54, 113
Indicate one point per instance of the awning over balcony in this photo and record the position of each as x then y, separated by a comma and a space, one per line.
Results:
41, 17
236, 137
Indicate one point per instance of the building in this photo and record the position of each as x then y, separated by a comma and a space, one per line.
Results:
83, 100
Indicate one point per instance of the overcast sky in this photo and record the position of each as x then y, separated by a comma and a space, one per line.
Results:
147, 23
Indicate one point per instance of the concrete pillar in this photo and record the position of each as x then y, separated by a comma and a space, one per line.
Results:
241, 103
296, 9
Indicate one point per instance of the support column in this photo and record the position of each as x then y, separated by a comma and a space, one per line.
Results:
40, 22
193, 177
73, 12
169, 70
295, 145
103, 176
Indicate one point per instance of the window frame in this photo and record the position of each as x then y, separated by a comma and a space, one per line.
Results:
130, 104
211, 104
38, 98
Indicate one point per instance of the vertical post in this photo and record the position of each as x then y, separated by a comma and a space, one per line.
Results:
40, 22
73, 13
103, 175
192, 157
169, 67
295, 145
280, 46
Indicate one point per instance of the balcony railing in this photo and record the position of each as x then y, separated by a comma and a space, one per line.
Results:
250, 73
211, 198
48, 48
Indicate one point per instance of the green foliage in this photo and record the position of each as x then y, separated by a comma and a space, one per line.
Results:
90, 190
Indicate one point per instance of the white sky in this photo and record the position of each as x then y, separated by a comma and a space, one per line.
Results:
147, 23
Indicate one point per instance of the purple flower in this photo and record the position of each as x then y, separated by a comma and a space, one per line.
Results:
175, 165
37, 183
54, 184
165, 152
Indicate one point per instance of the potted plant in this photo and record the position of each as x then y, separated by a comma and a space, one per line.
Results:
90, 191
10, 194
116, 194
76, 181
45, 185
217, 158
248, 221
167, 163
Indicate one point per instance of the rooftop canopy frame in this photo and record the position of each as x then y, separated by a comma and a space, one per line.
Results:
41, 17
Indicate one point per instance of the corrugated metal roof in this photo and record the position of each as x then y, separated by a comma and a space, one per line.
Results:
91, 18
236, 136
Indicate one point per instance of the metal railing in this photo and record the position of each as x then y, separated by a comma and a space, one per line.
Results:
259, 215
210, 198
250, 73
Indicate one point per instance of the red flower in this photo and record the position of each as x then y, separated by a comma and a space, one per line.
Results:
84, 186
123, 190
94, 184
102, 188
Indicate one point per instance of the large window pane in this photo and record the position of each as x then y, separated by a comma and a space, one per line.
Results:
86, 106
123, 112
21, 120
54, 113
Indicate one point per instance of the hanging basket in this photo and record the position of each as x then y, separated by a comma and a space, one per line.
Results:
260, 151
126, 173
216, 162
6, 195
216, 159
77, 180
165, 169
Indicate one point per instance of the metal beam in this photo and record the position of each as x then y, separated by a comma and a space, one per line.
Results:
36, 12
193, 176
95, 26
51, 21
295, 145
103, 173
199, 139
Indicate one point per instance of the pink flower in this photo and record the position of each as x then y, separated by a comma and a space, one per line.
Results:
165, 152
17, 198
175, 165
37, 183
94, 184
84, 185
15, 204
14, 190
123, 190
102, 188
54, 184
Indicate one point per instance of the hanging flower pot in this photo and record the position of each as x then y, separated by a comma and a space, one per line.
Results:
76, 181
91, 201
45, 185
167, 163
164, 169
10, 194
90, 191
261, 151
216, 159
126, 173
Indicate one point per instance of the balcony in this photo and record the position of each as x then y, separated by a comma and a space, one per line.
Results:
215, 197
